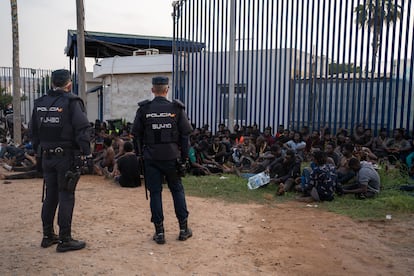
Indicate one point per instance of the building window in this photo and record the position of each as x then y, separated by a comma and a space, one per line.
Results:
240, 104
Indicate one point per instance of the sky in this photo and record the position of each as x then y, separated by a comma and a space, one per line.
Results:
43, 26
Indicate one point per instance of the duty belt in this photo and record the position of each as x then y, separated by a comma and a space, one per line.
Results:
58, 151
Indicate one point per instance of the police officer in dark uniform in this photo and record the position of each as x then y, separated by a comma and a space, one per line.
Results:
161, 129
59, 129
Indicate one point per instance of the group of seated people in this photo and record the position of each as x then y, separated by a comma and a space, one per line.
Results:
336, 161
339, 164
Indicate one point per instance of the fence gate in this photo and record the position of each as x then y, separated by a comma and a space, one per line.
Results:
34, 83
298, 62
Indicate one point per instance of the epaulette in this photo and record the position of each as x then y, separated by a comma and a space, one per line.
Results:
72, 98
179, 103
144, 102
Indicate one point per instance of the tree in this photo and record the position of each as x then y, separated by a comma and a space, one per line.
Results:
374, 14
17, 119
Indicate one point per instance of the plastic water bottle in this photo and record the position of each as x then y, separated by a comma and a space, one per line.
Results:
258, 180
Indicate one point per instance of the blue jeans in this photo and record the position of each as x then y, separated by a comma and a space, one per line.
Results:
155, 170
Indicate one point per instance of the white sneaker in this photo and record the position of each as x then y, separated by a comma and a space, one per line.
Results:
7, 167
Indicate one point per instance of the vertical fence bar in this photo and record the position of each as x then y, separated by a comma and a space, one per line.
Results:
378, 69
275, 77
316, 80
295, 109
398, 70
405, 108
411, 79
307, 83
301, 95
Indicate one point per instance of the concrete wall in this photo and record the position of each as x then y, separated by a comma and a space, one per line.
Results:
127, 81
92, 99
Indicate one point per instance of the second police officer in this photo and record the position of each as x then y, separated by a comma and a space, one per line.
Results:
161, 129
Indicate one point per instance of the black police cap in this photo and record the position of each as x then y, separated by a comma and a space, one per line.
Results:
160, 81
60, 77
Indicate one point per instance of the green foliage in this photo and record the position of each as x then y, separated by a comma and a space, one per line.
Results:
4, 98
390, 201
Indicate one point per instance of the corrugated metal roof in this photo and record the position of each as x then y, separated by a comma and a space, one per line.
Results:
101, 44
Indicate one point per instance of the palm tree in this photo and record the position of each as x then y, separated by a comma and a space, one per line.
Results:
17, 119
374, 14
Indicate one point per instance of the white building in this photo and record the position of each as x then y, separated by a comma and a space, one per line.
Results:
125, 82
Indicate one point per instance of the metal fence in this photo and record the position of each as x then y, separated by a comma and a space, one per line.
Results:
34, 83
296, 62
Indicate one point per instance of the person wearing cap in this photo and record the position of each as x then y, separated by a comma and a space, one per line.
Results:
161, 129
58, 128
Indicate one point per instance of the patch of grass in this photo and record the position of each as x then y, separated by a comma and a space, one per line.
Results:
231, 188
228, 188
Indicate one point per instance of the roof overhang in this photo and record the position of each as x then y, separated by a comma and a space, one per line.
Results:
101, 45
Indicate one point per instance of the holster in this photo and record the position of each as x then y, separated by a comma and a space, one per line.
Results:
71, 180
72, 176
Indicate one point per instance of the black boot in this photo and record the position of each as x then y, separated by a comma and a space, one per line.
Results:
66, 243
49, 237
159, 236
185, 232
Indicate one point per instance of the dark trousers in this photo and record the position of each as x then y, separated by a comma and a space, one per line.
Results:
155, 170
54, 170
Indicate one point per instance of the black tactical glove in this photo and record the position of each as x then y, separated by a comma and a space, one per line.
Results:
182, 166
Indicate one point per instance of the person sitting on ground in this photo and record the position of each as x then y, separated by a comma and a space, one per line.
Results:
286, 172
378, 144
127, 169
267, 135
331, 153
297, 145
194, 157
345, 173
15, 156
34, 170
245, 154
265, 161
321, 183
262, 146
118, 145
217, 150
397, 147
106, 159
368, 182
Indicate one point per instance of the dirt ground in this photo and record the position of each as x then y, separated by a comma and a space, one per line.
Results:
229, 239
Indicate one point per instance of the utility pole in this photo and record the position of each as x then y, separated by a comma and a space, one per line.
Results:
17, 118
232, 63
80, 40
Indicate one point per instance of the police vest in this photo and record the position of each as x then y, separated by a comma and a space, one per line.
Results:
160, 123
53, 119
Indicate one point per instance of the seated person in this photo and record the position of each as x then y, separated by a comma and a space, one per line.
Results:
397, 147
106, 159
286, 172
321, 183
127, 169
345, 173
118, 145
244, 154
199, 164
297, 145
217, 151
368, 181
262, 146
378, 144
31, 171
